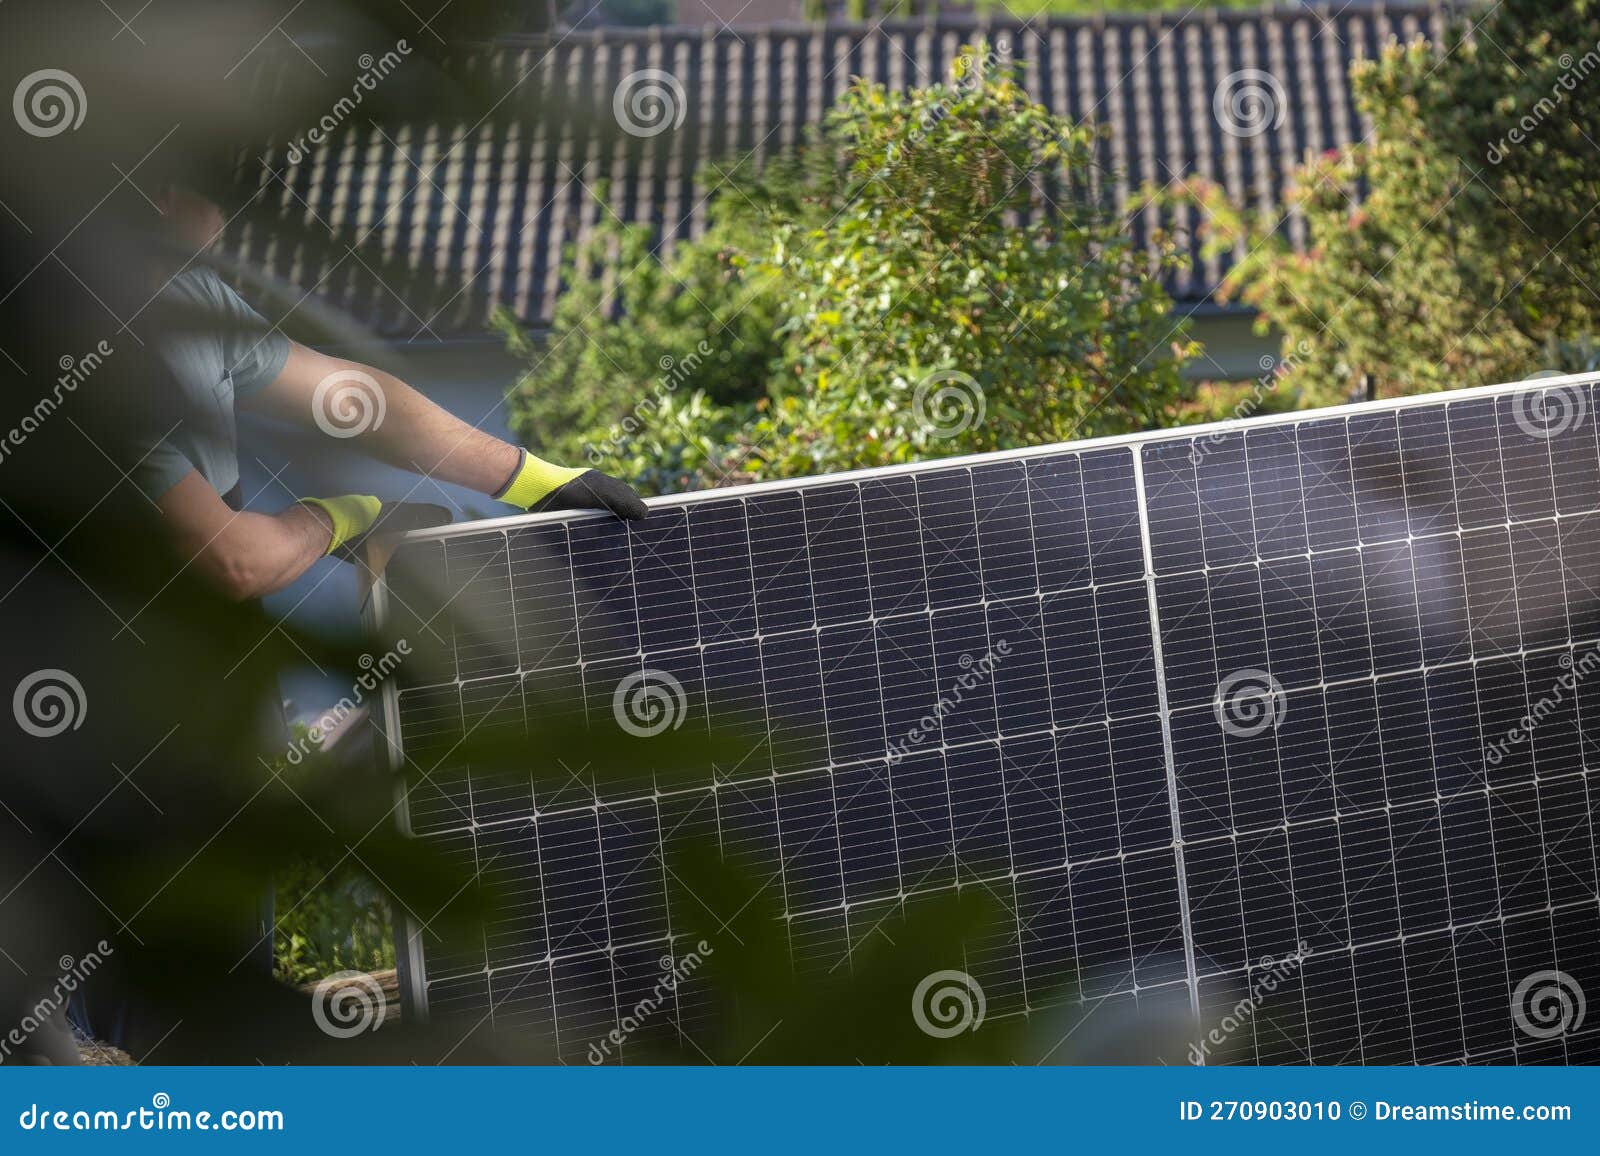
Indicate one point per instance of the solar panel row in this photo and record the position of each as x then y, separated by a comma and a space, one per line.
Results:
1262, 711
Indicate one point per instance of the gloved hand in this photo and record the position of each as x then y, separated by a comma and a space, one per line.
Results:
358, 518
538, 486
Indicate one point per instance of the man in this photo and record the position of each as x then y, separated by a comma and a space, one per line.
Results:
214, 354
192, 473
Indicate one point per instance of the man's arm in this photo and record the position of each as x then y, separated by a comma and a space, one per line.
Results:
243, 555
414, 434
329, 393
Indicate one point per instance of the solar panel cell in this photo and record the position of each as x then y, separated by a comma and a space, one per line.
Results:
664, 578
834, 531
894, 547
1379, 481
781, 569
1525, 457
1227, 527
1475, 461
1060, 530
1115, 550
1273, 457
541, 584
1004, 524
1425, 463
1573, 449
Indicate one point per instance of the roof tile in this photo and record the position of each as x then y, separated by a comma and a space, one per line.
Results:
480, 213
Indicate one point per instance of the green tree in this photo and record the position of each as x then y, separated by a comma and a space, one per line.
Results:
931, 277
1454, 244
1518, 103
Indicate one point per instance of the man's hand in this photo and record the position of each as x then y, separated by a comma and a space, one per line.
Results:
393, 520
592, 490
538, 485
356, 520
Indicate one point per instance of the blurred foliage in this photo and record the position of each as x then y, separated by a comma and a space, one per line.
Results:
1440, 253
852, 1007
950, 232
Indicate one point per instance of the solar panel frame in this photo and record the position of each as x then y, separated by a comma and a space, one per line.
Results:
1379, 432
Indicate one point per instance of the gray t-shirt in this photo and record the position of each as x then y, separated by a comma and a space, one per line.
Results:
210, 368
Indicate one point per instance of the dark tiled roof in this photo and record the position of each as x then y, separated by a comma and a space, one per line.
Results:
485, 209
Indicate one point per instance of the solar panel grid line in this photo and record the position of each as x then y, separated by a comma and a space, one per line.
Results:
1175, 817
1384, 775
1296, 909
1239, 537
1500, 891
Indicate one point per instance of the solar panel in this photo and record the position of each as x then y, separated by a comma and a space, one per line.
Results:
1302, 696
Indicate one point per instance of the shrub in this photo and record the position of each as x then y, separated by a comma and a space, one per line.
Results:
932, 276
1443, 252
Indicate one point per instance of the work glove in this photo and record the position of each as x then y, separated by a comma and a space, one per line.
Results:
538, 486
358, 518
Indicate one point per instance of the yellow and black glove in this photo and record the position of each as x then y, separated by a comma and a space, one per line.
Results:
537, 485
357, 518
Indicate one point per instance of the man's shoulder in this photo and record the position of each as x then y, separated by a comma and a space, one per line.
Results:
201, 285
